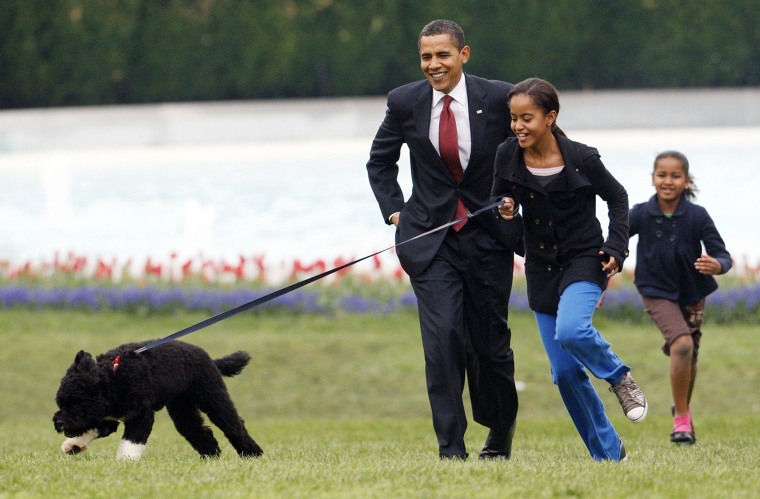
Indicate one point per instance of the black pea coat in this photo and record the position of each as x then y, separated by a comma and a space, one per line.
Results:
563, 237
668, 248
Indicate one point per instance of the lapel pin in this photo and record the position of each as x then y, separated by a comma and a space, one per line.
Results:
479, 111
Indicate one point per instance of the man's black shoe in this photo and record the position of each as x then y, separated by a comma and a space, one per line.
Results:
498, 444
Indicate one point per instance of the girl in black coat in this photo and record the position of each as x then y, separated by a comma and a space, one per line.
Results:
674, 277
567, 259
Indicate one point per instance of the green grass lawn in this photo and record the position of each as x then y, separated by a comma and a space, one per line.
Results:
339, 405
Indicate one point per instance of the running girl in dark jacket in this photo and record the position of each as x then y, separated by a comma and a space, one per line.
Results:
556, 181
673, 275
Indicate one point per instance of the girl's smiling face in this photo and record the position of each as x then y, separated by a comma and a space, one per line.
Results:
669, 180
530, 123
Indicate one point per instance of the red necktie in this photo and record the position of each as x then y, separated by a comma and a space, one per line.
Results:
448, 145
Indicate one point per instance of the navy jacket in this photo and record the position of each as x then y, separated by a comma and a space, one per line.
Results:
434, 195
562, 234
668, 248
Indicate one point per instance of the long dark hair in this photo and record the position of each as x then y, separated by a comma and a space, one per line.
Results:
543, 94
691, 190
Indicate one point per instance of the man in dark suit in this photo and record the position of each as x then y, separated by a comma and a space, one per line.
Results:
462, 276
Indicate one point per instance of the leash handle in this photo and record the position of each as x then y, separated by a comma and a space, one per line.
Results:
282, 291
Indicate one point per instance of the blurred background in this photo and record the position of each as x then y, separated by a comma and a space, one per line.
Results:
138, 135
96, 52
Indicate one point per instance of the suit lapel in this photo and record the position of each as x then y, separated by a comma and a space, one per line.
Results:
421, 110
478, 110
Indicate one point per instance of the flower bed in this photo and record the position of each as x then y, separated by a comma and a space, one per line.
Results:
212, 287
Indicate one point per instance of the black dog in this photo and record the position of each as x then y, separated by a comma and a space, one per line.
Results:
130, 387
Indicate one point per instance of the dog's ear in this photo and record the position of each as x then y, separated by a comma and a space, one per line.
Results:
84, 361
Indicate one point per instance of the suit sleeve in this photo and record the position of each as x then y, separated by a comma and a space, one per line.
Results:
382, 166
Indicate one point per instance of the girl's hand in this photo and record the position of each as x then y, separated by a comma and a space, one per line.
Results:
507, 209
601, 299
609, 264
707, 265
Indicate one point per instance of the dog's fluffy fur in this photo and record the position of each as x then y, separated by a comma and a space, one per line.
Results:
94, 397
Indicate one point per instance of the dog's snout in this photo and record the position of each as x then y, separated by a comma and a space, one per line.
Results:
58, 424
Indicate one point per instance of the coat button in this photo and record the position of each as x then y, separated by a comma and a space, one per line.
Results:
551, 222
554, 246
541, 245
537, 221
531, 195
549, 268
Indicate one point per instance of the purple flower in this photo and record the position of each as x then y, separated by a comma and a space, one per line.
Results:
731, 304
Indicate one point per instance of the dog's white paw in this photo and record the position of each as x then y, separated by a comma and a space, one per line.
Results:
75, 445
129, 451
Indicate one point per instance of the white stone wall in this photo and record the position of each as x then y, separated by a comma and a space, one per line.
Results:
163, 124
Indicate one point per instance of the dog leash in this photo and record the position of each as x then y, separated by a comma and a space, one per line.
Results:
275, 294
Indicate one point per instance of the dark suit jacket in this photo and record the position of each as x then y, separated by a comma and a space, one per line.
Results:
434, 193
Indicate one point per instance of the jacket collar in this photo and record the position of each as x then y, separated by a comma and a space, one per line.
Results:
653, 208
478, 110
570, 178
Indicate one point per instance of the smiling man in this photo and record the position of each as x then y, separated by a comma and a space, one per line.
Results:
452, 123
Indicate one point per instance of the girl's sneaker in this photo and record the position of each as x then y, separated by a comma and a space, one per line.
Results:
683, 429
631, 399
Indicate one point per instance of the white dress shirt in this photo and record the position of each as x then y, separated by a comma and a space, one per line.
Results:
461, 115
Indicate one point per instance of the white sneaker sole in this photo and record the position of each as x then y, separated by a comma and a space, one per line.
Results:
635, 416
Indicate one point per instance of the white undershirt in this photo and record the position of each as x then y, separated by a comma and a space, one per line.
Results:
545, 172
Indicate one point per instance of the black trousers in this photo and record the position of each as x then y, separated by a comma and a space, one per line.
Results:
463, 298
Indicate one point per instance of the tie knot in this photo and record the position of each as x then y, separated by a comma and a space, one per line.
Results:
447, 101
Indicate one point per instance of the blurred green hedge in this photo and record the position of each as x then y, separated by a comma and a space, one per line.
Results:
87, 52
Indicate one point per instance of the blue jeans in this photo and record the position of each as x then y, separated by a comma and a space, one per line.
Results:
571, 342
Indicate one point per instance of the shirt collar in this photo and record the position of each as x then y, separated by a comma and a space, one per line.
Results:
458, 93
